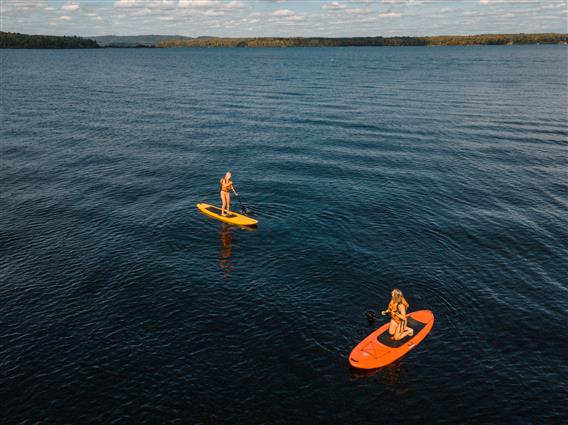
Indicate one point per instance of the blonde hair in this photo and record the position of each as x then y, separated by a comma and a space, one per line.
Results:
398, 297
396, 294
228, 175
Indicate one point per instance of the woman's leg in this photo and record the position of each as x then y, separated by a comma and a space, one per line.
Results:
392, 327
401, 332
228, 195
223, 203
407, 328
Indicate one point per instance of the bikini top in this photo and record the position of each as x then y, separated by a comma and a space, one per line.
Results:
393, 308
226, 186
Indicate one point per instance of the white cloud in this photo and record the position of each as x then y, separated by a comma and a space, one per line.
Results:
145, 4
283, 12
70, 7
157, 4
127, 3
235, 5
213, 12
334, 5
65, 18
356, 11
142, 12
486, 2
560, 5
397, 1
409, 2
390, 15
197, 4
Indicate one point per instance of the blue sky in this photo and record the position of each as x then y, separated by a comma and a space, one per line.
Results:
247, 18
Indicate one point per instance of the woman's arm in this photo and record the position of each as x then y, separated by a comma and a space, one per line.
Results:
402, 311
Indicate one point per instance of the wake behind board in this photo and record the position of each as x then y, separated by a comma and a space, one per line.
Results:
378, 349
232, 218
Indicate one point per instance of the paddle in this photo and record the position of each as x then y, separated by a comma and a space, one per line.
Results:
244, 210
372, 316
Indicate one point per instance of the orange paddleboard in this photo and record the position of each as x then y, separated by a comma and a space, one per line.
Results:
378, 349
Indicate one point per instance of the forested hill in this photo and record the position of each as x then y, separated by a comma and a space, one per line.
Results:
487, 39
23, 41
12, 40
133, 40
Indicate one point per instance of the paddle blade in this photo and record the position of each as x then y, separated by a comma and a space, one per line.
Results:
371, 316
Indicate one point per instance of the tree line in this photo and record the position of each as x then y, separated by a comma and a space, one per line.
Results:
22, 41
488, 39
12, 40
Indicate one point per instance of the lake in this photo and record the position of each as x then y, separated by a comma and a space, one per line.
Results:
439, 171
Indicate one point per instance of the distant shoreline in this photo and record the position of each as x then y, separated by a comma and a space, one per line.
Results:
24, 41
468, 40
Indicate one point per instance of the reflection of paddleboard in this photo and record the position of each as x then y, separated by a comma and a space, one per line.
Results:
378, 349
233, 217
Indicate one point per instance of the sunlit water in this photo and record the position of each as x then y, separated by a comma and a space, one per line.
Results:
441, 171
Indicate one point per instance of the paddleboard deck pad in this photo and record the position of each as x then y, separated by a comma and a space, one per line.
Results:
232, 217
379, 349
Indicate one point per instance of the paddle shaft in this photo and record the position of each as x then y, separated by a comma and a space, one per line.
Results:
243, 207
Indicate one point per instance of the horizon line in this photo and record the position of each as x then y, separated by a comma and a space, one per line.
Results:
289, 36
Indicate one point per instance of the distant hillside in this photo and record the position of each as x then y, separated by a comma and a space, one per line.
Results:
13, 40
134, 40
23, 41
450, 40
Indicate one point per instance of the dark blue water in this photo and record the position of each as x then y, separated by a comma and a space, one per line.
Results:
441, 171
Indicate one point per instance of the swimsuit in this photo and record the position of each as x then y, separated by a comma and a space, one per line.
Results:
393, 308
226, 187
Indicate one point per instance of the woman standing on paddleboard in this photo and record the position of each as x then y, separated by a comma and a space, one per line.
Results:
226, 187
398, 306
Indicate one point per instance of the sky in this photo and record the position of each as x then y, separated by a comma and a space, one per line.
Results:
264, 18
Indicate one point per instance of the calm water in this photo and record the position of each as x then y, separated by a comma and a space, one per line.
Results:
441, 171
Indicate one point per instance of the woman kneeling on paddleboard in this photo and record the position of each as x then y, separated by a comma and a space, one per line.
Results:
226, 187
397, 309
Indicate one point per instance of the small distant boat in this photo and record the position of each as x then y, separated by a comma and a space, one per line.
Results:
232, 217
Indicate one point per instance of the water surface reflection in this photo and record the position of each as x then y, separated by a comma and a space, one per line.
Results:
226, 250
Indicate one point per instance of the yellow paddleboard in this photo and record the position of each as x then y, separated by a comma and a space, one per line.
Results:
233, 217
